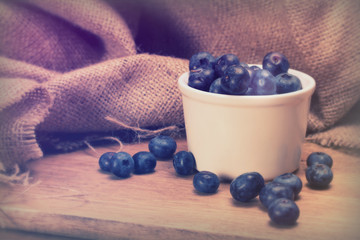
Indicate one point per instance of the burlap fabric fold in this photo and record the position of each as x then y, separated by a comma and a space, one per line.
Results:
66, 65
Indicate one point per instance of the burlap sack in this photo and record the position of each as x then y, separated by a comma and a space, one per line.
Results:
68, 64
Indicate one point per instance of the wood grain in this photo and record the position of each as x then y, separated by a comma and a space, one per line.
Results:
70, 196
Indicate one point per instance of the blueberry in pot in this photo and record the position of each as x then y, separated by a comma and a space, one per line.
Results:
252, 70
273, 191
105, 161
275, 63
144, 162
163, 147
319, 157
201, 78
201, 60
235, 80
184, 163
223, 62
246, 186
286, 82
215, 87
122, 164
206, 182
319, 175
284, 211
263, 83
243, 64
290, 180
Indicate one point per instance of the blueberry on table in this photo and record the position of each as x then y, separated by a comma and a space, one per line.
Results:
184, 163
275, 63
273, 191
206, 182
290, 180
201, 60
122, 164
284, 211
223, 62
163, 147
319, 157
286, 82
235, 80
319, 175
215, 87
201, 78
105, 161
144, 162
246, 186
263, 83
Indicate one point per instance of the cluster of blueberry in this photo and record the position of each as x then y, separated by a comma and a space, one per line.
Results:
277, 196
122, 164
227, 75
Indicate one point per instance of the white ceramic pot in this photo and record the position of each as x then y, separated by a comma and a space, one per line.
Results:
231, 135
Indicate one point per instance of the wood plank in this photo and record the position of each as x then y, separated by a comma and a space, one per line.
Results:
71, 197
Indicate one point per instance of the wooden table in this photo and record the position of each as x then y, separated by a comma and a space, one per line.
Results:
71, 197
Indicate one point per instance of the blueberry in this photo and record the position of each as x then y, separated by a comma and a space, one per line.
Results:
319, 175
163, 147
263, 83
201, 78
215, 87
244, 65
122, 164
144, 162
286, 82
201, 60
252, 70
284, 211
250, 92
184, 163
223, 62
246, 186
275, 63
105, 161
206, 182
273, 191
319, 157
290, 180
235, 80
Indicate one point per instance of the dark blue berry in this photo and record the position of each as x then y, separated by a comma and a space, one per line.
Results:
201, 79
223, 62
252, 70
263, 83
319, 157
206, 182
290, 180
235, 80
163, 147
275, 63
105, 161
319, 175
184, 163
246, 186
201, 60
215, 87
250, 92
273, 191
144, 162
286, 82
284, 211
244, 65
122, 164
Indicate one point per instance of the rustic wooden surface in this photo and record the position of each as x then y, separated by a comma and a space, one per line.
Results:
70, 197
